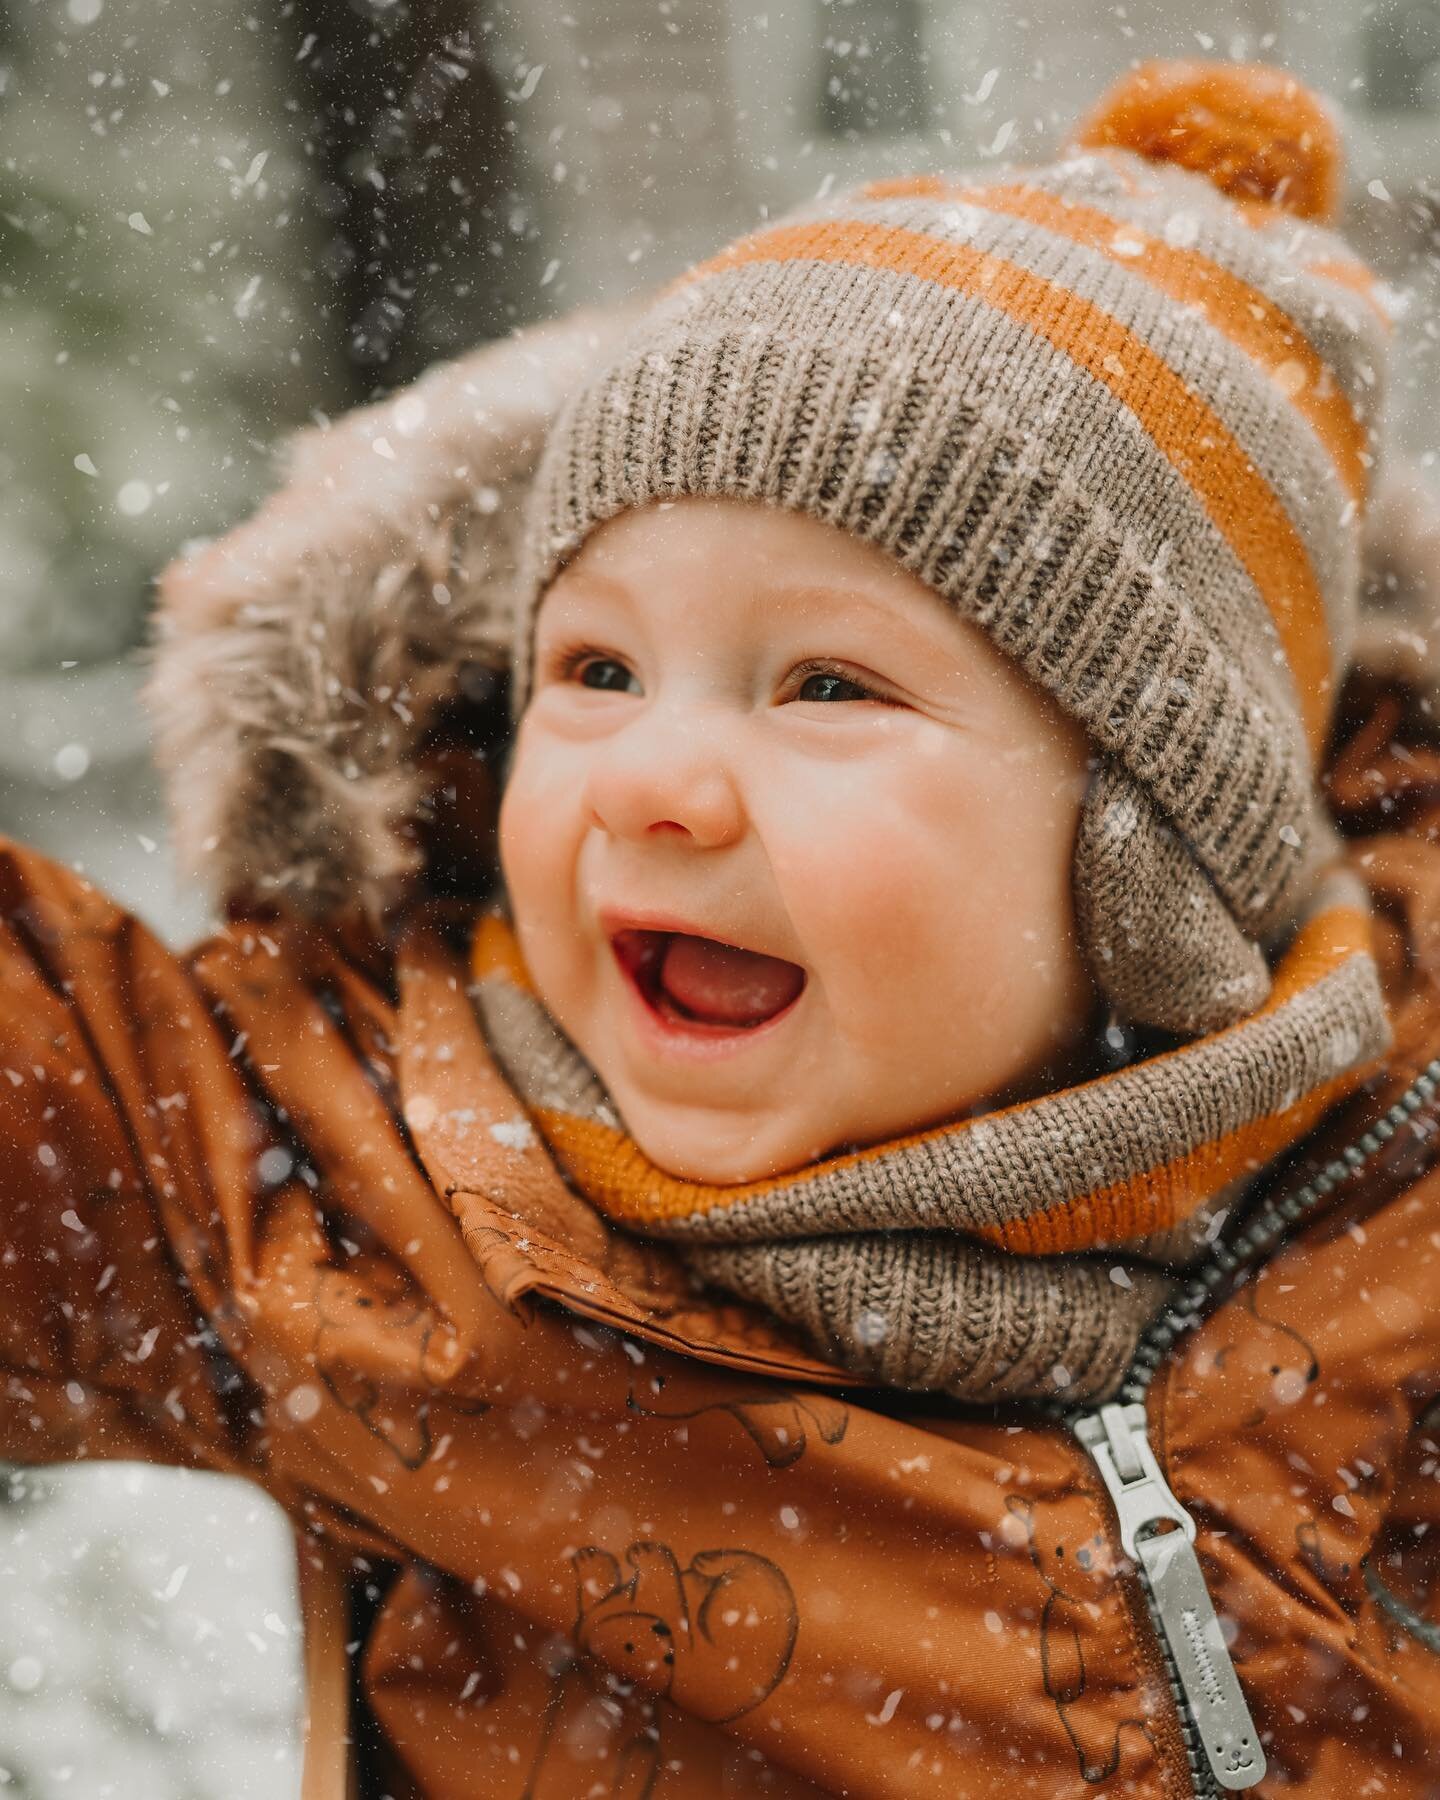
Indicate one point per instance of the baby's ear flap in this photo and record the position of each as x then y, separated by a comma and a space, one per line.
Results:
1162, 944
301, 660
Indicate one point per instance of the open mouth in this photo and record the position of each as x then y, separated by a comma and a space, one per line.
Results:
704, 985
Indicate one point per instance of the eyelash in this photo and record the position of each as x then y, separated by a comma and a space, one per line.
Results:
565, 663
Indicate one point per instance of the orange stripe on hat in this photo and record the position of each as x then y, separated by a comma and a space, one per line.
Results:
1240, 503
1344, 271
1355, 276
1237, 310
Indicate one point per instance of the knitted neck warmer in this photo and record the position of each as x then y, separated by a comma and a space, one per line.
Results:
1015, 1254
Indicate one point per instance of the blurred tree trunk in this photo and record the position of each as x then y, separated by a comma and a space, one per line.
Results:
430, 245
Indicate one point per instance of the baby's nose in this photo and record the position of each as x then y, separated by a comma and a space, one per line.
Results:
667, 778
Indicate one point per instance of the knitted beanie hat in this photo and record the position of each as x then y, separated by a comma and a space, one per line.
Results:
1120, 411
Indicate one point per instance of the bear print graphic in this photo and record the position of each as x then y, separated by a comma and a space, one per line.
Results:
715, 1637
1096, 1740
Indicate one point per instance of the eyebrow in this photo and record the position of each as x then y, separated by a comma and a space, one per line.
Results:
810, 593
813, 592
823, 591
591, 578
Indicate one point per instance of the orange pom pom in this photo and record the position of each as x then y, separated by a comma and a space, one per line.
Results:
1255, 131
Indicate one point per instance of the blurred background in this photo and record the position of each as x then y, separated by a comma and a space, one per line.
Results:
220, 222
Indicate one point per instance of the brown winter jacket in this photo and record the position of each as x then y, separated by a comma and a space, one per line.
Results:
628, 1542
601, 1536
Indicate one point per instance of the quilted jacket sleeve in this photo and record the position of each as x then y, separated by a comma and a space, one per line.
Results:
117, 1101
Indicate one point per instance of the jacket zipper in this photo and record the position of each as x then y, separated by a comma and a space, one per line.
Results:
1222, 1744
1214, 1719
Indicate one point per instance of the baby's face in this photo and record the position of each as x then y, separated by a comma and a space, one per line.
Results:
751, 730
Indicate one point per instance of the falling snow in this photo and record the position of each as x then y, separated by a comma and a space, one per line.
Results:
223, 228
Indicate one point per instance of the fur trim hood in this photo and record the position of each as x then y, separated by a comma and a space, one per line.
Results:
305, 663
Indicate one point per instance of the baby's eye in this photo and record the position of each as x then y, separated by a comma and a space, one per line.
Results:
826, 685
605, 672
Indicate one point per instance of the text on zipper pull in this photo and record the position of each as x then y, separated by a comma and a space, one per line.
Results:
1117, 1441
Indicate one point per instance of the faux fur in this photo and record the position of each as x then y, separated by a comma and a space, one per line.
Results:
1399, 632
300, 659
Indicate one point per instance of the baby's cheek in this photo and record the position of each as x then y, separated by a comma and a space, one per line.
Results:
867, 877
518, 842
539, 883
919, 882
537, 809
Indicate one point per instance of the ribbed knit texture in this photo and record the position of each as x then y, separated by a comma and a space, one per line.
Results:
1124, 424
968, 1258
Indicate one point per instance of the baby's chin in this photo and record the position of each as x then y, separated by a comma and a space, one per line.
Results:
715, 1151
790, 1126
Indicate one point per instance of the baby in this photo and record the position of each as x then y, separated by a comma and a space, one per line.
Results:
921, 933
932, 616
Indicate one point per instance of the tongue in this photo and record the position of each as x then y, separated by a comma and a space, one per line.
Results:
725, 986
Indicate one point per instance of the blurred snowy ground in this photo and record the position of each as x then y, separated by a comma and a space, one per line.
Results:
148, 1640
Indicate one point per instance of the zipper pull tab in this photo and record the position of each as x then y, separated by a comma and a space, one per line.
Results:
1117, 1440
